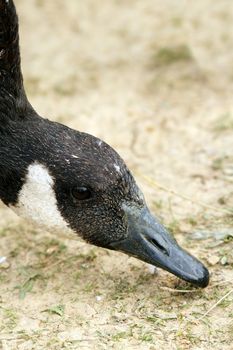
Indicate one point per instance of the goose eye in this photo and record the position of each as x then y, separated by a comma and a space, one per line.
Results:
81, 193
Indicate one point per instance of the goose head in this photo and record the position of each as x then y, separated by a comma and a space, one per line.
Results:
74, 181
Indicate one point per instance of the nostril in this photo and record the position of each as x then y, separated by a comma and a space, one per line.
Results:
158, 246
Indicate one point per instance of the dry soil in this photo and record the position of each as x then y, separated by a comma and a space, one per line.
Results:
155, 80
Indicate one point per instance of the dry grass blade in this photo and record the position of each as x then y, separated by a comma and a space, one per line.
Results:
172, 290
155, 184
215, 305
220, 283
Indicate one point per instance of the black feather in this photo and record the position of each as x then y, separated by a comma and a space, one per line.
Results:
13, 101
9, 49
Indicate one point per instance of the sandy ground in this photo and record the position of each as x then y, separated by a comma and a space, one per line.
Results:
155, 80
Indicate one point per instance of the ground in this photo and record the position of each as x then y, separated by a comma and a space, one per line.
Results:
155, 80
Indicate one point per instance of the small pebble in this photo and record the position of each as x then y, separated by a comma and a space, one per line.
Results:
217, 235
213, 260
152, 269
228, 171
2, 259
224, 260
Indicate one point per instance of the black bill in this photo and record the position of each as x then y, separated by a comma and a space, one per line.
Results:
149, 241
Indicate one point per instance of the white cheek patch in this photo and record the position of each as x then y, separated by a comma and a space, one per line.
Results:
37, 201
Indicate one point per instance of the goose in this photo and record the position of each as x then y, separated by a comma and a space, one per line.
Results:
66, 180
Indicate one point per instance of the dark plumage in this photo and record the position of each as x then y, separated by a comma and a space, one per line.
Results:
46, 166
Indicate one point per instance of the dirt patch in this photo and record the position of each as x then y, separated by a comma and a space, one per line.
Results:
154, 79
